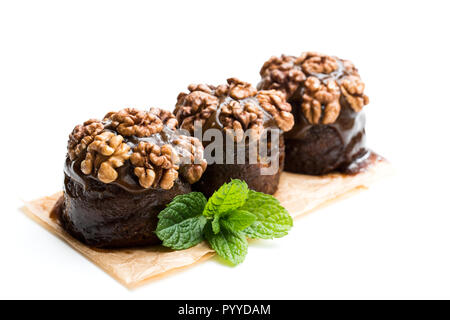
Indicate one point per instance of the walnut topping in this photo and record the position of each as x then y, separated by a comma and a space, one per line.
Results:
193, 167
240, 90
319, 84
201, 87
313, 62
167, 117
133, 122
195, 106
82, 136
274, 102
155, 165
353, 89
239, 105
100, 147
281, 73
318, 94
241, 116
106, 153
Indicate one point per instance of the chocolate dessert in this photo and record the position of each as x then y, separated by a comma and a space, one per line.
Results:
327, 98
120, 172
246, 118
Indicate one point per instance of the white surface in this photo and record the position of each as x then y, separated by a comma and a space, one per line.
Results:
63, 62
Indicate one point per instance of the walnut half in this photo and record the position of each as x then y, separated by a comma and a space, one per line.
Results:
133, 122
239, 90
313, 62
274, 102
82, 136
198, 105
106, 153
318, 94
193, 165
239, 116
168, 118
353, 89
281, 73
154, 165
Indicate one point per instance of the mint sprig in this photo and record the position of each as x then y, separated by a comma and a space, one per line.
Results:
233, 214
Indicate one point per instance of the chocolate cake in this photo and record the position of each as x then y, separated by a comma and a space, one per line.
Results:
327, 98
247, 121
120, 172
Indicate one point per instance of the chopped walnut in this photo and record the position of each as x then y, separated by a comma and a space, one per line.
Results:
195, 165
274, 102
155, 165
319, 84
167, 117
133, 122
106, 153
82, 136
281, 73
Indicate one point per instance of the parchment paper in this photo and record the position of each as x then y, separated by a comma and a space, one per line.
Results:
299, 194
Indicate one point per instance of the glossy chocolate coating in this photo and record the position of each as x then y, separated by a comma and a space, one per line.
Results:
218, 174
319, 149
108, 215
121, 213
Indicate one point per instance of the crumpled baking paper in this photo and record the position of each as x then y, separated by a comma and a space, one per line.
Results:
132, 267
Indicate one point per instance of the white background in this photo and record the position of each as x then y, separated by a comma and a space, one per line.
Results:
62, 62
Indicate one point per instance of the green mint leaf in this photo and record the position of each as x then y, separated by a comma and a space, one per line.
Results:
272, 220
230, 245
238, 220
230, 196
181, 223
216, 224
235, 220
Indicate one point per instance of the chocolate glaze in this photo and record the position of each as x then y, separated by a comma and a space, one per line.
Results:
319, 149
107, 215
118, 214
56, 211
126, 178
337, 75
363, 163
218, 174
214, 120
